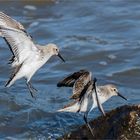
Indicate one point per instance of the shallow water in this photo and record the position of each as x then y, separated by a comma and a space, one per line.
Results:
100, 36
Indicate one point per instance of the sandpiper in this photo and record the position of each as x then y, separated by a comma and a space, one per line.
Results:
27, 57
82, 84
90, 96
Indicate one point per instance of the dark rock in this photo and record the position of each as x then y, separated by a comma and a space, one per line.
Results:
121, 123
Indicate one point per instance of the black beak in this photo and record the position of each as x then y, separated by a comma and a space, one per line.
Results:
121, 96
61, 57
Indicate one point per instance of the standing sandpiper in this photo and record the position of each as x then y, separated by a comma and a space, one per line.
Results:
27, 57
87, 96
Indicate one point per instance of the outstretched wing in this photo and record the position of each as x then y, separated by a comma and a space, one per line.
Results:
70, 80
15, 35
97, 98
80, 84
7, 21
75, 106
88, 87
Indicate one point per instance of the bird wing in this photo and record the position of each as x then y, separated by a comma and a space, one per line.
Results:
15, 35
70, 104
70, 79
80, 84
97, 98
7, 21
88, 87
20, 44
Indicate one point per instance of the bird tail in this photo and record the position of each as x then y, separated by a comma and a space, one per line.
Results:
10, 81
13, 77
74, 107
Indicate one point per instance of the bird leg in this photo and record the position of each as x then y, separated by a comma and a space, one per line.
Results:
31, 89
87, 124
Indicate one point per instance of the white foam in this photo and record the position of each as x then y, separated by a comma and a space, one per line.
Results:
30, 7
111, 56
104, 63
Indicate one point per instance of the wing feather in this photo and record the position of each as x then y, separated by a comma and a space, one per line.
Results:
70, 80
15, 35
88, 87
7, 21
80, 84
21, 45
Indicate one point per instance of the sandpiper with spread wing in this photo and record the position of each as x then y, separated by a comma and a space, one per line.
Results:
27, 57
86, 94
83, 86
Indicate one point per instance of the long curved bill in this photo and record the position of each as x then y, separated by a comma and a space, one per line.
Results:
121, 96
59, 55
98, 102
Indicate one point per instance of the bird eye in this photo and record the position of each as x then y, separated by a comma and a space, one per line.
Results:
114, 89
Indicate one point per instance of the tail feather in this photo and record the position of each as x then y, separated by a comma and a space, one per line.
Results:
9, 82
70, 108
13, 76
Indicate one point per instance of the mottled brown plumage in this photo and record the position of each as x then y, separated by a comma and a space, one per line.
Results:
70, 79
80, 84
89, 96
77, 80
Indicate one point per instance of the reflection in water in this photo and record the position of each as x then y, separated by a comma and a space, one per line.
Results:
100, 36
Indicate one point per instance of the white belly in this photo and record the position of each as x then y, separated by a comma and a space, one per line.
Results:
29, 68
87, 103
101, 98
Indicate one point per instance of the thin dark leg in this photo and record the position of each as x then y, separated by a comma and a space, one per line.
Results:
35, 90
31, 89
87, 124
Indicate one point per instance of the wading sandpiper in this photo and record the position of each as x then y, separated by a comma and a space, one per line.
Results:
86, 94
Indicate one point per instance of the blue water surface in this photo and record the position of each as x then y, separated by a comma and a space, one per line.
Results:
101, 36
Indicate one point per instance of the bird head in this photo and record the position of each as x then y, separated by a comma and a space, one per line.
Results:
54, 50
115, 92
